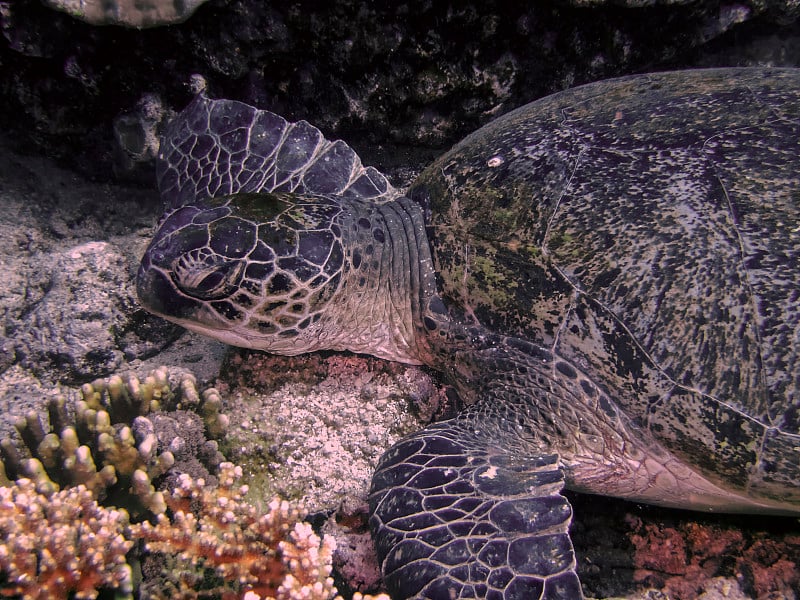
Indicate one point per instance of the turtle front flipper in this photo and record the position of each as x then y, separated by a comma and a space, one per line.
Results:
221, 147
455, 516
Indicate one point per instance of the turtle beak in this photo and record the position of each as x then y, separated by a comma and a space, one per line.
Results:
157, 294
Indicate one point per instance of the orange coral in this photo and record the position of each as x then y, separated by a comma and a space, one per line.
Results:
270, 555
61, 544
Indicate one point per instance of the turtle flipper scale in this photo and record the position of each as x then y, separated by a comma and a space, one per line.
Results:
453, 517
221, 147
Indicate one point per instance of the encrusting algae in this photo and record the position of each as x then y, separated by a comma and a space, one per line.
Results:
65, 520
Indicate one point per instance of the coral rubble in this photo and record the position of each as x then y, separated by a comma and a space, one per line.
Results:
684, 557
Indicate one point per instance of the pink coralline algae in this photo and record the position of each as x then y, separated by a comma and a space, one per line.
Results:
683, 558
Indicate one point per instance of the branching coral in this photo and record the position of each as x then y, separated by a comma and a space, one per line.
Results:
56, 541
271, 555
106, 440
60, 544
214, 545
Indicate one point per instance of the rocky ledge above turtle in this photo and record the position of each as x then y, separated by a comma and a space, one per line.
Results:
609, 276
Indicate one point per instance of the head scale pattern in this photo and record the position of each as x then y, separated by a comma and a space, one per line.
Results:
249, 249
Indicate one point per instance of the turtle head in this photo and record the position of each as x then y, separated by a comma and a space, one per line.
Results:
251, 270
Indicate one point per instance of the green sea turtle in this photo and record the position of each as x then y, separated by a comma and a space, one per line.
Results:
608, 276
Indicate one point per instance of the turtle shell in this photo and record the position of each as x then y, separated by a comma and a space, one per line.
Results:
647, 229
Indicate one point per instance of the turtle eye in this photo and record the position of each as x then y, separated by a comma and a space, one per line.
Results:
205, 275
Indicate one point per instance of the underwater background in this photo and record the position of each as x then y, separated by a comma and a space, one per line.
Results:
85, 88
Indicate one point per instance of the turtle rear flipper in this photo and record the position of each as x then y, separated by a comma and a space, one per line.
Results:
454, 516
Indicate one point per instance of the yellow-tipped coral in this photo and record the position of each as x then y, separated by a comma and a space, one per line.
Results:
214, 545
105, 439
61, 545
128, 398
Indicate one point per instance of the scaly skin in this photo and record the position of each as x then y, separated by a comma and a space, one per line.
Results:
279, 240
290, 259
364, 300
